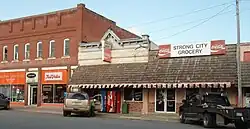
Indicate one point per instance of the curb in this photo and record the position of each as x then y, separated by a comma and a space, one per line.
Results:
105, 116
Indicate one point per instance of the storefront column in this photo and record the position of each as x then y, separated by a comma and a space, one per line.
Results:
145, 101
39, 88
26, 90
122, 98
69, 77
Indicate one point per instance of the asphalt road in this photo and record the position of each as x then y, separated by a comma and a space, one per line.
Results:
23, 120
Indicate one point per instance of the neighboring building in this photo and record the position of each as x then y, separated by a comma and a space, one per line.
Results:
245, 72
158, 82
39, 53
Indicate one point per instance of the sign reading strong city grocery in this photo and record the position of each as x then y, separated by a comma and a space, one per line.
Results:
193, 49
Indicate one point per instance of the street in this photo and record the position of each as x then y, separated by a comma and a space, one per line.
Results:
13, 119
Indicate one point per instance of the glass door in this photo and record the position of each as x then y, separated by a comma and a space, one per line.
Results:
33, 95
165, 100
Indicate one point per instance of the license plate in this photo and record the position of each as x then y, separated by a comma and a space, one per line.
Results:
76, 103
238, 114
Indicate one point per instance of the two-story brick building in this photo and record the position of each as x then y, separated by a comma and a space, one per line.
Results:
40, 52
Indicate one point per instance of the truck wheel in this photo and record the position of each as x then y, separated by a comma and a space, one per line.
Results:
66, 113
208, 121
182, 118
240, 125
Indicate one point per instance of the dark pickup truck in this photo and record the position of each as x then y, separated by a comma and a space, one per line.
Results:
211, 108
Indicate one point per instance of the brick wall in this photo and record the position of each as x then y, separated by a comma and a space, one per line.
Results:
135, 106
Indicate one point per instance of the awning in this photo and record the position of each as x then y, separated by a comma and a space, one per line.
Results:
155, 85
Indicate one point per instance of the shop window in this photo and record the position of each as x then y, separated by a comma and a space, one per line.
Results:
53, 93
16, 52
52, 48
216, 90
5, 53
66, 47
39, 50
133, 94
27, 51
14, 93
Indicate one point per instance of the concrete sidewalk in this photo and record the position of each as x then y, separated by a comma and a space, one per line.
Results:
132, 116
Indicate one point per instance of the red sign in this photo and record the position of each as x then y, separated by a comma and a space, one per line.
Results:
218, 47
107, 55
164, 51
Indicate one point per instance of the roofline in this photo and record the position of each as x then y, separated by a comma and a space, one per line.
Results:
38, 15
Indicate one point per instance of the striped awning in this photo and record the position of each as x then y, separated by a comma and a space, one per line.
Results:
155, 85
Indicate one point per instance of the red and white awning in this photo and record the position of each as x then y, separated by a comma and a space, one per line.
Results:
155, 85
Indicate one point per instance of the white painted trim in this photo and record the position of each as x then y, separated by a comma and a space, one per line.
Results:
73, 67
25, 51
64, 42
50, 42
165, 106
109, 31
12, 70
54, 68
14, 52
37, 49
4, 47
33, 69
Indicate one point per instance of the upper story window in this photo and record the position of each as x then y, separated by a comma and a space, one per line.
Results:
66, 47
39, 50
52, 48
27, 51
5, 53
247, 56
16, 52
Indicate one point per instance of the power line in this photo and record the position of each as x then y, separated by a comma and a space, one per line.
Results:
186, 23
180, 15
197, 24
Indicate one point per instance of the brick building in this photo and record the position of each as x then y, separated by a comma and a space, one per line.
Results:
39, 53
156, 79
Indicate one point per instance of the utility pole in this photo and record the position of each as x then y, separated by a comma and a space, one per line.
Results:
238, 55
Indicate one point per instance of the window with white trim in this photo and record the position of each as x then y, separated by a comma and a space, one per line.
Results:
16, 52
39, 50
52, 48
66, 47
5, 53
27, 51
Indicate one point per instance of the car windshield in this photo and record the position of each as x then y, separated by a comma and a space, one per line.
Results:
79, 96
217, 99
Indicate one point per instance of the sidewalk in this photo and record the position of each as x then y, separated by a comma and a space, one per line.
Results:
133, 116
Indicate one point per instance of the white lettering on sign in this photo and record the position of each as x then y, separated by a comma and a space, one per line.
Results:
194, 49
53, 76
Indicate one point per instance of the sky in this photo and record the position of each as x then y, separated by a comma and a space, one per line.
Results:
165, 21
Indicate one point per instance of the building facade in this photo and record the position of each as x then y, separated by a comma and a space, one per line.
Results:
153, 78
39, 53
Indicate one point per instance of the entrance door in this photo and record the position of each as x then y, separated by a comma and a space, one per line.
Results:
165, 100
33, 95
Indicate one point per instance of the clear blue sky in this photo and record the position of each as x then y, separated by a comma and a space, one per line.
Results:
136, 14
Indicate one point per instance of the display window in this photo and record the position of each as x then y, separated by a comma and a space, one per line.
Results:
53, 93
131, 94
14, 92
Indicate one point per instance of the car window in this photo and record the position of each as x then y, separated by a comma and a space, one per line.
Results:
2, 96
78, 96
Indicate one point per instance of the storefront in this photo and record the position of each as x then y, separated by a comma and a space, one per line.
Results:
54, 84
12, 84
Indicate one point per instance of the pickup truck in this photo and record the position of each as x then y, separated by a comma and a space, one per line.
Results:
212, 108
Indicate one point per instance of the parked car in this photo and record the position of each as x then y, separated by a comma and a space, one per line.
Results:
78, 103
210, 108
4, 102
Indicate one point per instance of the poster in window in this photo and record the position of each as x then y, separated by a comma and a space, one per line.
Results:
106, 52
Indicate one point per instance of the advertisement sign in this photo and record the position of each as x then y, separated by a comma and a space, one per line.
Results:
106, 52
193, 49
31, 77
12, 78
54, 76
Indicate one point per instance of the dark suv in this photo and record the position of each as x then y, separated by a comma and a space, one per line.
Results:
4, 102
